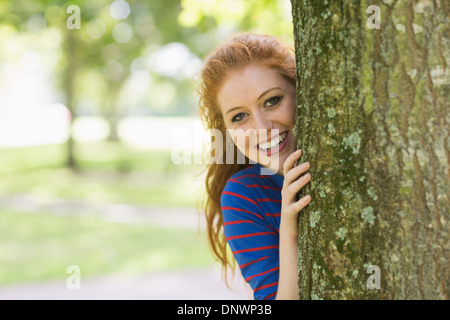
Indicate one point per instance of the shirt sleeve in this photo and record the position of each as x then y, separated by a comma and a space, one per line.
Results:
253, 241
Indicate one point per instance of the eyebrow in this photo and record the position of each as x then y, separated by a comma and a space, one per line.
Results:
260, 96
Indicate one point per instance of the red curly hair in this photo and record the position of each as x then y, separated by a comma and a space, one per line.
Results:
232, 55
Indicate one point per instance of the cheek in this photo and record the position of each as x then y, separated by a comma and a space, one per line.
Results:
289, 114
245, 142
242, 141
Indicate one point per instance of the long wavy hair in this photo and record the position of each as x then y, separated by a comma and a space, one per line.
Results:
234, 54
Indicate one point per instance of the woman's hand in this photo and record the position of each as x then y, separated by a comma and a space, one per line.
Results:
293, 182
290, 207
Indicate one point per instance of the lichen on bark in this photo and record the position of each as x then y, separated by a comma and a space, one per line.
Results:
372, 119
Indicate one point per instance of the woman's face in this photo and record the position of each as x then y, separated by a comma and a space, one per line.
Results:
258, 104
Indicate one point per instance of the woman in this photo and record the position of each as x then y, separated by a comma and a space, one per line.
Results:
248, 89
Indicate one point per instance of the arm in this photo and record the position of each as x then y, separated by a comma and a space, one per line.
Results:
288, 287
252, 240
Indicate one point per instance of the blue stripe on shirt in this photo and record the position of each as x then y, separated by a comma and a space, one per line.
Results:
251, 207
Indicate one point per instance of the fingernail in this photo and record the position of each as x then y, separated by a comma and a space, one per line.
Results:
306, 198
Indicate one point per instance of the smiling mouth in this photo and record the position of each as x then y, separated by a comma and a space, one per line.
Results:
272, 143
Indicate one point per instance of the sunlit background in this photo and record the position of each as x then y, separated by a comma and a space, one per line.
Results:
89, 121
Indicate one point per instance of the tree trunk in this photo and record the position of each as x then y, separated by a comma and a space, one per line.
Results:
71, 70
373, 121
113, 109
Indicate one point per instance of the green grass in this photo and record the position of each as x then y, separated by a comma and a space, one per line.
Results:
109, 172
103, 156
37, 247
40, 246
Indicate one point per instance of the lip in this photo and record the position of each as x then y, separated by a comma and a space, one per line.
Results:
270, 139
278, 148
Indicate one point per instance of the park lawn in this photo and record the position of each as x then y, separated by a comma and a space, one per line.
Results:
39, 247
152, 189
109, 172
101, 155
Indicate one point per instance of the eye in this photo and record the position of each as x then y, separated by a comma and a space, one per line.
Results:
272, 101
238, 117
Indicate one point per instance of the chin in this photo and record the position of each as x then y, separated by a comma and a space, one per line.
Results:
274, 163
275, 157
276, 160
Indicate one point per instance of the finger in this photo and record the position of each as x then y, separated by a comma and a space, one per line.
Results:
289, 163
296, 172
303, 202
301, 182
295, 187
289, 194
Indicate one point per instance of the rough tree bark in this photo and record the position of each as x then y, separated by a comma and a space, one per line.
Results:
373, 120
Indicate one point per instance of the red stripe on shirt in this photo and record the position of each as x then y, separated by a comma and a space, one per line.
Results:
273, 214
255, 249
237, 222
267, 199
240, 196
262, 273
270, 295
251, 262
266, 286
250, 235
234, 180
262, 187
252, 175
244, 210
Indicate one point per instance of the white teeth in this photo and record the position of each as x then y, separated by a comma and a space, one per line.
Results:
273, 142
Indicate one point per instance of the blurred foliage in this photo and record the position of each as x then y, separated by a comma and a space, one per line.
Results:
110, 172
118, 70
36, 247
134, 58
39, 245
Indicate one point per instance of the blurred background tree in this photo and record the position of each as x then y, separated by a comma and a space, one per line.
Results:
132, 58
86, 119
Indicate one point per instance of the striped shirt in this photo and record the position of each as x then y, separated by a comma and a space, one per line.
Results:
251, 209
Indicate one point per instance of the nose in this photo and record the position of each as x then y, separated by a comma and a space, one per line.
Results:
262, 126
261, 121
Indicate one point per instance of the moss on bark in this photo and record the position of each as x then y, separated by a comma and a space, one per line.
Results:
372, 119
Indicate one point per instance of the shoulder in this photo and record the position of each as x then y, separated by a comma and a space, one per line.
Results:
252, 176
248, 188
237, 191
252, 171
241, 182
